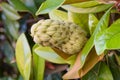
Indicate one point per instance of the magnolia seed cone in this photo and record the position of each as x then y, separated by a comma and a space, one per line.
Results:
66, 36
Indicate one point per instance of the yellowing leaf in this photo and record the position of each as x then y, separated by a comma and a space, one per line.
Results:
23, 56
94, 9
86, 4
58, 15
73, 1
79, 19
93, 21
54, 56
38, 67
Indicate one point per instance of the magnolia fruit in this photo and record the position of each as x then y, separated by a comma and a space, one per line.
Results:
66, 36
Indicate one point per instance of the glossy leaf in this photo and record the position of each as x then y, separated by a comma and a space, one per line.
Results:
11, 26
102, 25
9, 11
79, 19
100, 72
46, 6
93, 21
23, 56
75, 72
86, 4
58, 15
18, 5
111, 35
94, 9
38, 67
49, 55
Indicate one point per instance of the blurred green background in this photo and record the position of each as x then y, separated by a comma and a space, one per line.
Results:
16, 17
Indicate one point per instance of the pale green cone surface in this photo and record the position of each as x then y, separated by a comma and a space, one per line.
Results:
66, 36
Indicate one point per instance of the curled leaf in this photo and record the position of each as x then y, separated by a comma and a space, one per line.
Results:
76, 72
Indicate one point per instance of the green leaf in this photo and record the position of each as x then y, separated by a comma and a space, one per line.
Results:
73, 1
109, 39
49, 55
117, 59
79, 19
9, 11
86, 4
23, 56
31, 5
38, 67
93, 21
94, 9
100, 72
11, 26
18, 5
46, 6
102, 25
58, 15
38, 2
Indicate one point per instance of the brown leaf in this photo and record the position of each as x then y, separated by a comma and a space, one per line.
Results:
76, 72
61, 53
90, 62
73, 73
